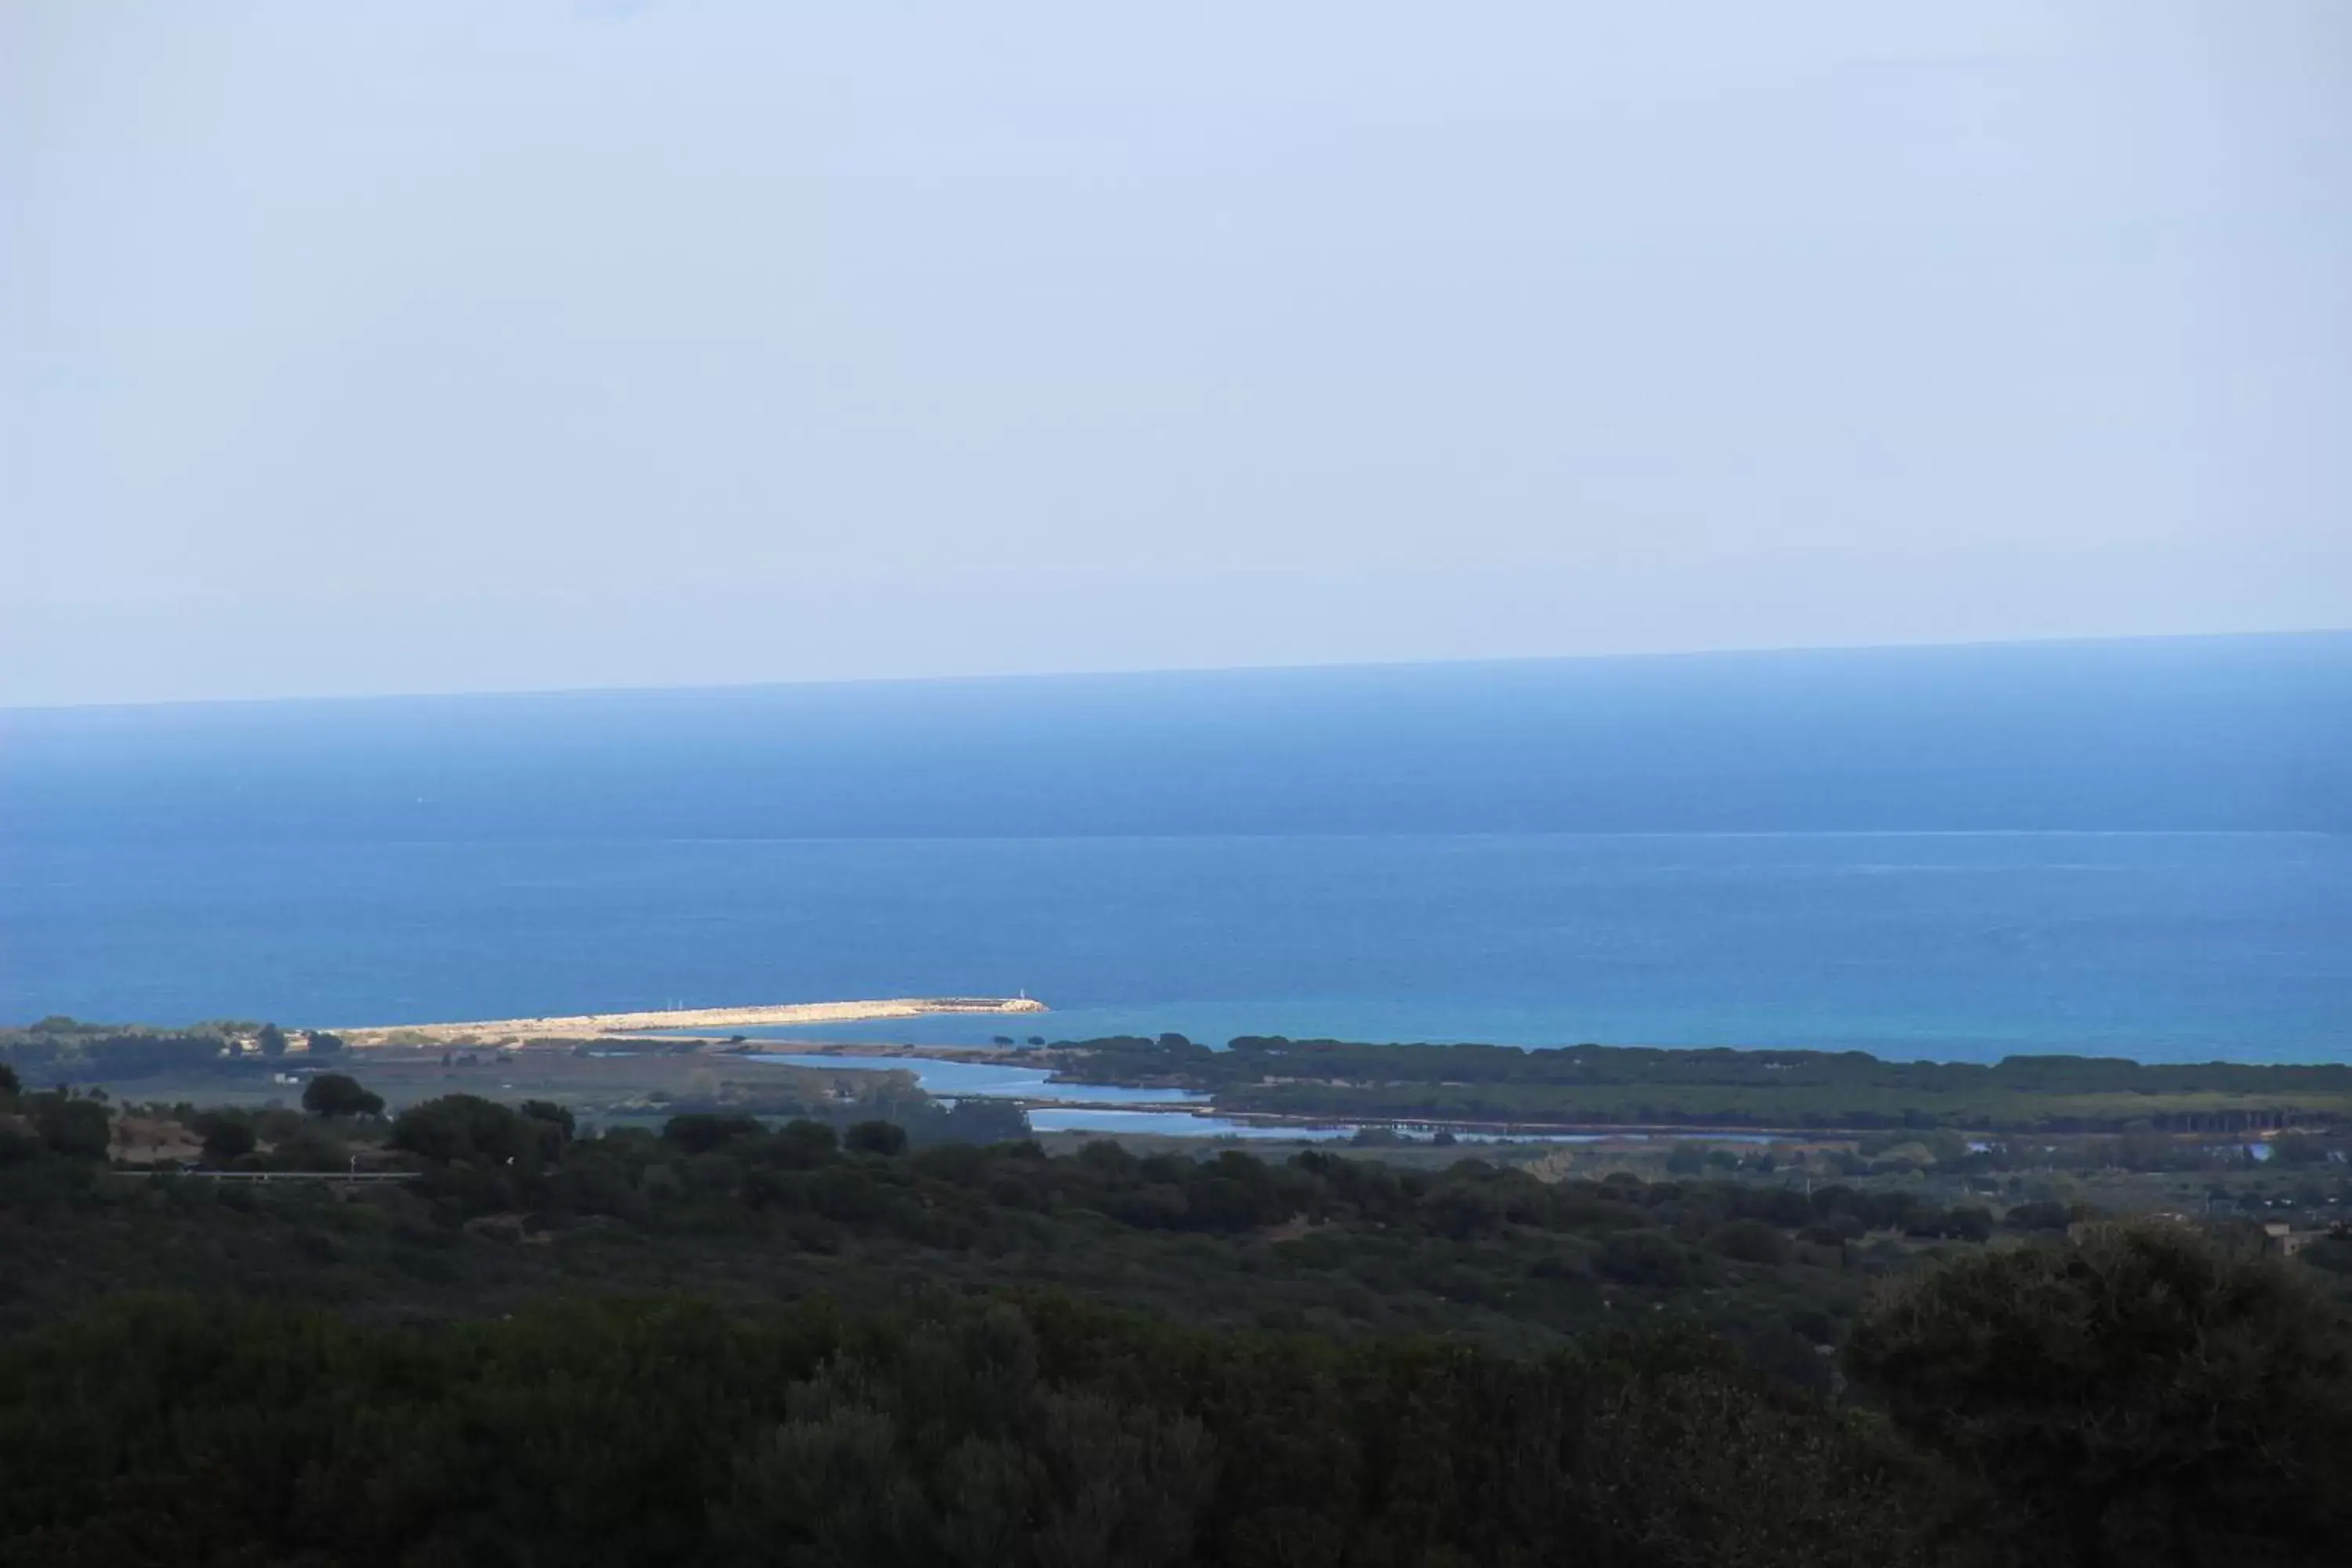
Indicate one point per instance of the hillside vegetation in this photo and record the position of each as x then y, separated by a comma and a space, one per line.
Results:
748, 1340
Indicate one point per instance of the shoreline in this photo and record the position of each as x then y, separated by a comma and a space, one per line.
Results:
2187, 1112
862, 1056
589, 1025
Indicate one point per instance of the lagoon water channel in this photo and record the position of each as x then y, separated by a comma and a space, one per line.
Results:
1085, 1108
1116, 1107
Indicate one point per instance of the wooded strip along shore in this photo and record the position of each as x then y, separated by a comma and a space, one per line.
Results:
1590, 1086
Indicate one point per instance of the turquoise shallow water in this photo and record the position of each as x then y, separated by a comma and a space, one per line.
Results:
2141, 852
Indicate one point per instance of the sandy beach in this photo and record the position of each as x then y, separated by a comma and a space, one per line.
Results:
494, 1031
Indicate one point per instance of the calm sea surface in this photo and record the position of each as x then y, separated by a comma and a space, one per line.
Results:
2132, 848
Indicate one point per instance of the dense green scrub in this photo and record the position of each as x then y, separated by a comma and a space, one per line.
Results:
1606, 1085
988, 1434
508, 1205
2137, 1399
733, 1342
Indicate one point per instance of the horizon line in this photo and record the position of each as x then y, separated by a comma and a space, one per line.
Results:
1651, 656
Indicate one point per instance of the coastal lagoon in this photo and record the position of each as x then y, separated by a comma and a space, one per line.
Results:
2128, 849
951, 1079
1175, 1124
1088, 1108
1117, 1107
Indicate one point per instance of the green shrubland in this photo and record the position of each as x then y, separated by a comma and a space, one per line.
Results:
740, 1338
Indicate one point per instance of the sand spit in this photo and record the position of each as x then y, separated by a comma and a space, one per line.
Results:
502, 1030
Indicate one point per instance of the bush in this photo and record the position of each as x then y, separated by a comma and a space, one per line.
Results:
340, 1094
1750, 1241
227, 1139
877, 1138
700, 1132
311, 1149
77, 1128
806, 1143
1646, 1257
2137, 1397
1967, 1223
467, 1127
978, 1121
552, 1114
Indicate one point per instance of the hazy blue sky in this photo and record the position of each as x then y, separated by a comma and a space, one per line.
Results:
391, 345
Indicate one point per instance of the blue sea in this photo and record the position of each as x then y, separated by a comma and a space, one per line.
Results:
2137, 848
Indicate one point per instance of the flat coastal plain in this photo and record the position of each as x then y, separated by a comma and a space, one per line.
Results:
499, 1030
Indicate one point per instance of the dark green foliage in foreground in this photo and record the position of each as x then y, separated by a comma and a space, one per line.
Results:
1347, 1362
2137, 1399
1608, 1085
180, 1433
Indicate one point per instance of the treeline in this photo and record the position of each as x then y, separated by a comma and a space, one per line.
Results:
61, 1050
120, 1056
1349, 1247
2137, 1398
1610, 1085
486, 1156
